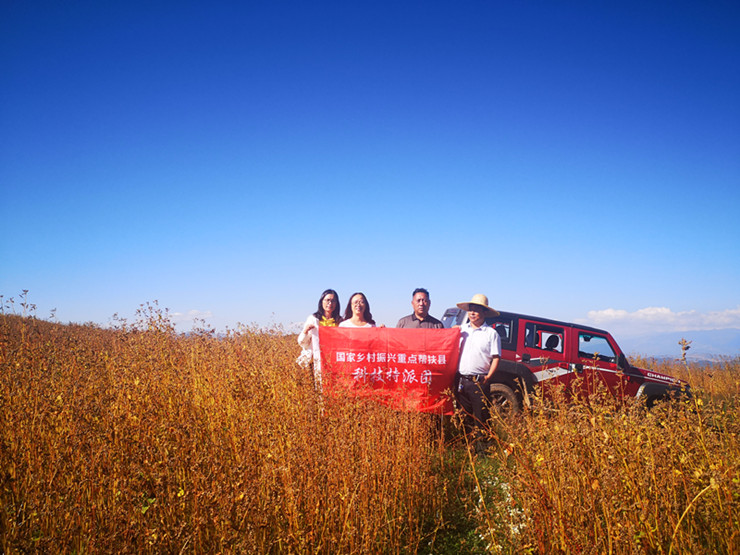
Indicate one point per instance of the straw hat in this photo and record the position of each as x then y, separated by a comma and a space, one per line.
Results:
481, 300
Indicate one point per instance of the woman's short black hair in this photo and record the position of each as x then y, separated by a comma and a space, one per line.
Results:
336, 313
367, 315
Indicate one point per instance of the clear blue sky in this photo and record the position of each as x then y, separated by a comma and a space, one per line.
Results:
576, 160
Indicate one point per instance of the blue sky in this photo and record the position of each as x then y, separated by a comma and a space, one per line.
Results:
575, 160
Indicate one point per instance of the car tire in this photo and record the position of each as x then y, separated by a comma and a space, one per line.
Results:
504, 400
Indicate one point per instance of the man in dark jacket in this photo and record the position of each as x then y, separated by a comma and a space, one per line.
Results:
420, 317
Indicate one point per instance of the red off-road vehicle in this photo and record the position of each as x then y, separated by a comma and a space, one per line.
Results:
538, 351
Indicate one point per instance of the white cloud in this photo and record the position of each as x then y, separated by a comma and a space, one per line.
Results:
190, 316
294, 327
661, 319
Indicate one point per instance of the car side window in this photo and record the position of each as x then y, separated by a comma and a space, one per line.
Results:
595, 347
504, 326
544, 337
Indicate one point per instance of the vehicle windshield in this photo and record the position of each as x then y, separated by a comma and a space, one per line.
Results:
453, 317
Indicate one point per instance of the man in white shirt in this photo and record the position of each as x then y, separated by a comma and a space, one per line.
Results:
480, 352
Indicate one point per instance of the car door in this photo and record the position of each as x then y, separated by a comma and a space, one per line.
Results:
544, 352
598, 360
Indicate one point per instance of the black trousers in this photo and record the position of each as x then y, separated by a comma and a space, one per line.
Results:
474, 398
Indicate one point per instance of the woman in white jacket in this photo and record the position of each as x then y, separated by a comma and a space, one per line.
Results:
328, 314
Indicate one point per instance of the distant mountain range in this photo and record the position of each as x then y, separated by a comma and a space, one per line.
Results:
705, 344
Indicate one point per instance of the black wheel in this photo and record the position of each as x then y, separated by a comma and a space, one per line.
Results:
504, 400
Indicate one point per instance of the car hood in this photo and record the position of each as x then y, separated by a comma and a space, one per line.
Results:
657, 377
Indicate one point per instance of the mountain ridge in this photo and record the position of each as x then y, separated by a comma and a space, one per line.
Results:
706, 345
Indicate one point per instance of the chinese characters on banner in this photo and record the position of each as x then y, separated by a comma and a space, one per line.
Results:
406, 368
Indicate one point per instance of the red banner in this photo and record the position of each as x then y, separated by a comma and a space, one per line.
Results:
412, 369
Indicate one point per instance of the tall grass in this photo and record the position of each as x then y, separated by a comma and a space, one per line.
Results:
592, 477
138, 439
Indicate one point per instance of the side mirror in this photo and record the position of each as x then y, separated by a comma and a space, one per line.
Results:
622, 362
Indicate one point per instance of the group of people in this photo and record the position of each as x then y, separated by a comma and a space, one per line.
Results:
480, 344
356, 315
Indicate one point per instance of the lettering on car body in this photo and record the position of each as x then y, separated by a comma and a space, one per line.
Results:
662, 378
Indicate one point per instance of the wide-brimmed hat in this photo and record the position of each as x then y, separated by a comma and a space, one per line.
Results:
481, 300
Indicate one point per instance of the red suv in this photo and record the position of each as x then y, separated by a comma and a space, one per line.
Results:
538, 351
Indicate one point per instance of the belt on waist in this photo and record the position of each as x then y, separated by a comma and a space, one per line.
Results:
473, 377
